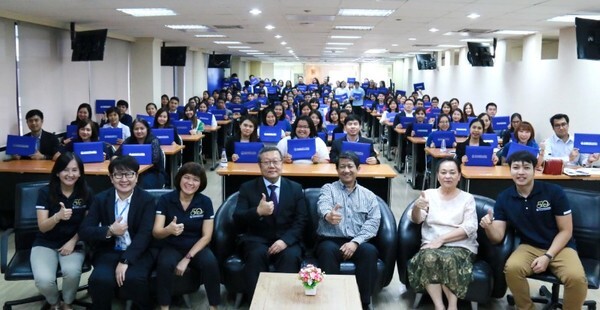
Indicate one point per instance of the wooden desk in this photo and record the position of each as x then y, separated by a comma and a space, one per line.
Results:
172, 150
490, 181
398, 158
195, 140
285, 291
377, 178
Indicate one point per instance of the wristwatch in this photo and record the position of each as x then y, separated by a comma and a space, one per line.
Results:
188, 256
549, 256
124, 261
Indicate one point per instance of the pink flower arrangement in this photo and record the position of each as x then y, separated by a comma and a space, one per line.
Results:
311, 276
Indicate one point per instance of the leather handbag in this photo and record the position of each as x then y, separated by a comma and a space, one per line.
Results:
553, 167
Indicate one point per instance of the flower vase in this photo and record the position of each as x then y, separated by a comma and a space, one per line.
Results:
310, 291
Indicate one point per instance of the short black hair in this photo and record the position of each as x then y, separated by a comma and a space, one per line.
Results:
122, 102
267, 149
491, 104
34, 112
125, 162
174, 98
311, 126
112, 110
347, 155
552, 119
449, 159
194, 169
352, 117
522, 156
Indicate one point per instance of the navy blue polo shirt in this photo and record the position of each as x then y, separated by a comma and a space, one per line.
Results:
63, 231
193, 217
534, 217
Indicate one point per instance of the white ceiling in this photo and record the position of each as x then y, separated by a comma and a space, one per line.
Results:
306, 25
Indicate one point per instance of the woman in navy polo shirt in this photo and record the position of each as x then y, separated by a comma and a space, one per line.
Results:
184, 218
61, 207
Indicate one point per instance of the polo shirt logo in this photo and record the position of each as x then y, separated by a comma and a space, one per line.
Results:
543, 205
196, 213
78, 204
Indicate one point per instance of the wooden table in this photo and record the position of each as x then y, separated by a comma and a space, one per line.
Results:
490, 181
171, 151
285, 291
377, 178
195, 140
398, 158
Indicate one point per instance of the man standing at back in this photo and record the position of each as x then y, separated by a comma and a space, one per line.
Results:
271, 213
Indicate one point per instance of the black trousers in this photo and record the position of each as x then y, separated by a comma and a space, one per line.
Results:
102, 282
364, 259
204, 261
257, 260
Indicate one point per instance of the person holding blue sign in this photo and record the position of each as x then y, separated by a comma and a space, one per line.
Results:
474, 139
524, 135
189, 114
246, 133
508, 134
87, 132
46, 146
84, 112
162, 120
487, 123
114, 122
151, 109
317, 119
282, 118
352, 127
275, 130
561, 145
304, 128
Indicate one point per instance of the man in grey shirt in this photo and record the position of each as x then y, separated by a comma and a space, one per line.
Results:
349, 217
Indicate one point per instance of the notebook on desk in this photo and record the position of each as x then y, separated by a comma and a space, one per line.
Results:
165, 136
20, 145
182, 127
110, 135
301, 148
141, 152
422, 130
438, 136
587, 143
479, 156
362, 150
247, 151
89, 152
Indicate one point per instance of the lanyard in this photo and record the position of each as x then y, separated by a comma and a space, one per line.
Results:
117, 213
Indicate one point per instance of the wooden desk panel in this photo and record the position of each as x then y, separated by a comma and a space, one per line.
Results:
45, 167
172, 149
284, 291
377, 178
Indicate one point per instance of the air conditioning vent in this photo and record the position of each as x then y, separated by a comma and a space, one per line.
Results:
424, 45
476, 31
228, 26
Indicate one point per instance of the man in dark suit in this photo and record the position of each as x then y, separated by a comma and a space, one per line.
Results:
47, 145
271, 214
119, 228
352, 127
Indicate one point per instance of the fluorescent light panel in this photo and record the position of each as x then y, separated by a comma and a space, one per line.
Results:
433, 30
256, 53
249, 51
269, 27
571, 18
473, 16
477, 40
515, 32
376, 51
362, 28
449, 45
336, 48
236, 47
186, 27
255, 11
210, 36
365, 12
227, 42
146, 12
345, 37
339, 43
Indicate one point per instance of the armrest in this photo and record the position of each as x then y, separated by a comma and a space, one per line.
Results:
4, 249
386, 241
409, 243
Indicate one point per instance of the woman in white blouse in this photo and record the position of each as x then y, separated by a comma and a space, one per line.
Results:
304, 128
444, 264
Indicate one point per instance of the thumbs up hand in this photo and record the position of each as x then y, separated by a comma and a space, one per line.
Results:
118, 228
422, 202
64, 214
174, 228
265, 208
487, 220
334, 217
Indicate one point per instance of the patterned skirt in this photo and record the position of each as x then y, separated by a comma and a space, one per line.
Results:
449, 266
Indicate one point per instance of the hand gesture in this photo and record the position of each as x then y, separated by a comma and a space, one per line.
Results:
265, 208
371, 160
399, 126
235, 157
277, 247
494, 159
574, 154
487, 220
181, 266
120, 273
67, 248
464, 159
119, 228
540, 264
435, 244
334, 217
315, 158
37, 156
287, 158
422, 202
174, 228
64, 214
348, 249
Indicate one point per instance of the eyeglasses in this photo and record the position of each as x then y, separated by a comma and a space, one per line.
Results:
273, 163
128, 175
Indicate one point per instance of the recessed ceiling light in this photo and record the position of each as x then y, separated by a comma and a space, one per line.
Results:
365, 12
288, 47
464, 34
476, 40
146, 12
449, 45
269, 27
227, 42
345, 37
255, 11
571, 18
339, 43
473, 15
186, 27
376, 51
515, 32
248, 51
278, 36
210, 36
283, 43
412, 39
365, 28
448, 33
433, 30
238, 46
394, 44
335, 48
291, 51
256, 53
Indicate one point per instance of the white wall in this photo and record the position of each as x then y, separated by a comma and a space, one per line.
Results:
8, 84
533, 87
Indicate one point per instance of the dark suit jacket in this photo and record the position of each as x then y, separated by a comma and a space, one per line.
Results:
140, 220
336, 148
287, 225
48, 144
